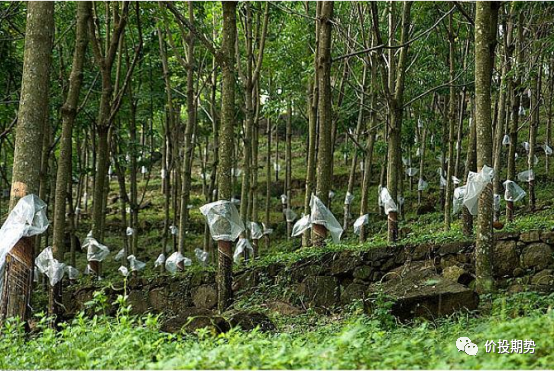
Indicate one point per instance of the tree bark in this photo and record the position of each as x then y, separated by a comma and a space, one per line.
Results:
225, 274
483, 122
325, 146
69, 112
32, 118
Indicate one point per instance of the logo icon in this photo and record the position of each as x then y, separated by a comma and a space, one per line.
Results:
464, 344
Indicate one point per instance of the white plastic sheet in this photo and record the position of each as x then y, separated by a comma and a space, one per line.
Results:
28, 218
547, 149
476, 182
521, 111
290, 215
242, 246
223, 220
506, 141
120, 254
301, 225
160, 260
266, 230
526, 146
422, 185
130, 231
135, 264
512, 191
49, 266
442, 182
406, 162
124, 271
43, 259
321, 215
172, 262
411, 171
255, 230
419, 123
331, 194
386, 201
348, 198
526, 176
143, 170
284, 199
72, 273
458, 199
236, 172
235, 201
276, 167
455, 180
173, 230
201, 256
95, 250
360, 221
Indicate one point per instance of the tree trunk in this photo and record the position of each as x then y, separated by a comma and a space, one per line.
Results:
515, 82
451, 121
32, 118
483, 122
188, 150
63, 178
325, 154
225, 274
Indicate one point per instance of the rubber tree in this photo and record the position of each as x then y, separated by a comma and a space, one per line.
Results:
395, 101
484, 243
226, 136
325, 146
105, 53
313, 99
515, 83
32, 117
69, 112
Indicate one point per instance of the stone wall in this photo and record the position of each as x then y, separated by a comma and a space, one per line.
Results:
432, 279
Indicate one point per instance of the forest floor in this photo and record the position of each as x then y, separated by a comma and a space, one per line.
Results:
346, 338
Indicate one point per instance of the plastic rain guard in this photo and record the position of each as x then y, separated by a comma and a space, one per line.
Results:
321, 215
385, 200
348, 198
135, 264
512, 191
223, 219
160, 260
49, 266
201, 256
301, 225
422, 185
255, 230
242, 245
526, 176
120, 254
175, 259
28, 218
360, 221
476, 183
458, 199
95, 251
290, 215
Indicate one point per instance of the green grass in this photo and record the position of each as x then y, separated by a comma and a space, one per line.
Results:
351, 340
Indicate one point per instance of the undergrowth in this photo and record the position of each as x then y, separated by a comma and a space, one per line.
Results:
349, 340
